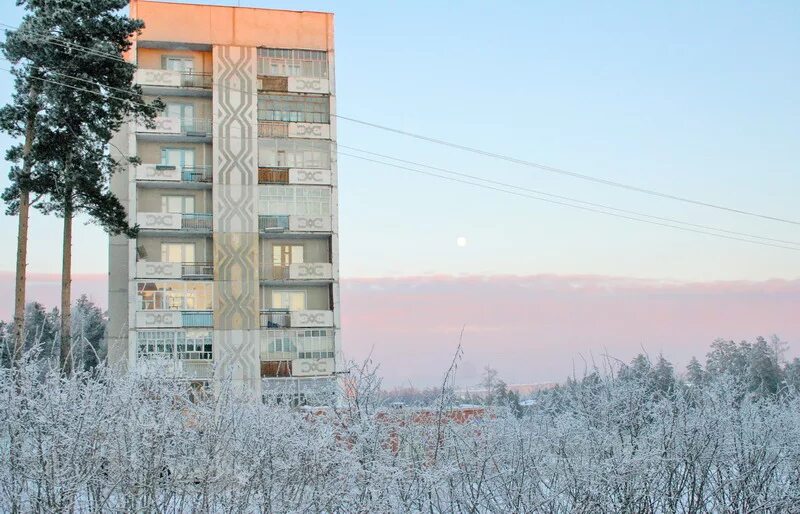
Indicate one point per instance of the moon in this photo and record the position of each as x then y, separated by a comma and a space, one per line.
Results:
461, 241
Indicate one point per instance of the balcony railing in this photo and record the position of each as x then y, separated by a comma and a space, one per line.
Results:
298, 271
273, 175
270, 223
197, 319
273, 129
176, 126
194, 79
200, 222
173, 318
175, 270
276, 273
173, 78
275, 318
196, 126
197, 270
170, 173
196, 173
303, 319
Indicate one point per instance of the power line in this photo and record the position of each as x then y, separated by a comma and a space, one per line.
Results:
567, 198
557, 202
565, 172
462, 147
517, 187
515, 160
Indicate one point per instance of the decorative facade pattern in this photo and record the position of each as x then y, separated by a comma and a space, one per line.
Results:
235, 194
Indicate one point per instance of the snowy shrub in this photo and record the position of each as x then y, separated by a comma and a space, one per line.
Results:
635, 440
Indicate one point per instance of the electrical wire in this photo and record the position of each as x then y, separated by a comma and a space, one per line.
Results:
507, 158
557, 202
567, 198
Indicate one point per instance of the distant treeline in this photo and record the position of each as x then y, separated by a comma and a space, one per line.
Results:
43, 334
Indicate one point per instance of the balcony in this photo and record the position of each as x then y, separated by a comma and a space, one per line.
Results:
175, 270
282, 345
174, 319
167, 174
273, 223
282, 318
185, 129
268, 224
198, 319
299, 271
189, 223
294, 130
313, 177
171, 79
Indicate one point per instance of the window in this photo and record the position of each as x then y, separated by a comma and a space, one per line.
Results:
282, 344
179, 157
189, 344
291, 300
283, 255
177, 252
177, 204
185, 113
307, 343
298, 153
178, 110
189, 296
294, 200
295, 108
183, 64
279, 62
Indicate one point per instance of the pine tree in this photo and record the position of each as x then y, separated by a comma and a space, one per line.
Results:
18, 119
72, 50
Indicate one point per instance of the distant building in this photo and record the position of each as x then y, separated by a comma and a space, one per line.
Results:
235, 270
521, 389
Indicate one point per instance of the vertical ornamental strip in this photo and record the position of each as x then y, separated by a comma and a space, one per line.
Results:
235, 195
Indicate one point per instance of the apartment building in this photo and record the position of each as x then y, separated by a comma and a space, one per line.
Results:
234, 274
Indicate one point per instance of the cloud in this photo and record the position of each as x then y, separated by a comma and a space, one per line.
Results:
531, 328
46, 289
534, 328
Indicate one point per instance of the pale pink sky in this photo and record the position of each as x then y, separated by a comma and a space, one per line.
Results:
531, 328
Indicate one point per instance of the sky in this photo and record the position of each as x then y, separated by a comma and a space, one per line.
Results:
697, 100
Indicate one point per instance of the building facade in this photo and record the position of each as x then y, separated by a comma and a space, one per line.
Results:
234, 274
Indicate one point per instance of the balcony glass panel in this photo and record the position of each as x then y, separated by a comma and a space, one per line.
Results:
172, 295
196, 221
273, 223
294, 153
198, 319
180, 344
293, 108
280, 62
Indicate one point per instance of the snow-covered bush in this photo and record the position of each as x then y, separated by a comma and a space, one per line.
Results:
629, 441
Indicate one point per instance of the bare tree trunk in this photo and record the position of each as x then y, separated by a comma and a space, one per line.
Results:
66, 289
22, 231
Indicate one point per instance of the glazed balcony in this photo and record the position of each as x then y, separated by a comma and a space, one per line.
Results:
299, 176
290, 344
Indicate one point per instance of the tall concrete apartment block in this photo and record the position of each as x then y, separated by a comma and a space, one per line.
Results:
234, 274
